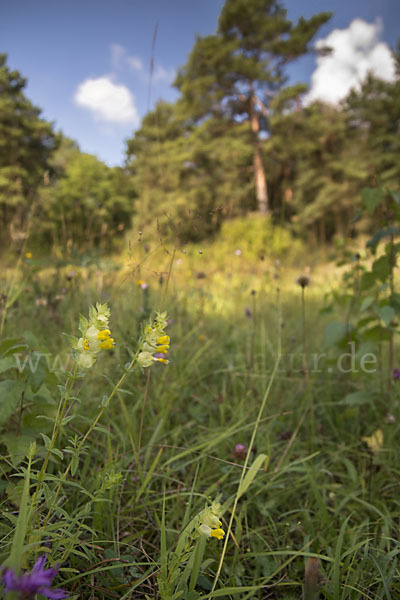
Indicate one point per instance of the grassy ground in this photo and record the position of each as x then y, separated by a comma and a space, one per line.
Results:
317, 516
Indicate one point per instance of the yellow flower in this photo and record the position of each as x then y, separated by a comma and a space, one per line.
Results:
96, 336
374, 441
209, 523
155, 343
209, 532
28, 255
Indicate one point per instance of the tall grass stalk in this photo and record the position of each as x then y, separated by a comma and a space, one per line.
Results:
251, 444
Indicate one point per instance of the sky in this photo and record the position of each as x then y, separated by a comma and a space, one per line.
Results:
87, 62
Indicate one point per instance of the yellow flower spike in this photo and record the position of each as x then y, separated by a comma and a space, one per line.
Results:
154, 343
163, 349
104, 334
96, 336
374, 441
218, 533
107, 344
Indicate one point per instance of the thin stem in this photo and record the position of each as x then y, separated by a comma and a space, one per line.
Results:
56, 428
308, 395
391, 344
251, 444
304, 330
21, 409
88, 432
171, 264
142, 413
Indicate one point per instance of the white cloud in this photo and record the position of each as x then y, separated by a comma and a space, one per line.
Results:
120, 58
355, 52
117, 55
162, 74
134, 62
107, 101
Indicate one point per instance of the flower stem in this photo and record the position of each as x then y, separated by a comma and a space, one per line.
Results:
251, 444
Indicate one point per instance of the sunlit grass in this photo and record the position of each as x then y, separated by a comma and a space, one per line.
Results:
164, 446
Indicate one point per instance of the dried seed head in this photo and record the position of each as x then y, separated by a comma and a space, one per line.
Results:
303, 281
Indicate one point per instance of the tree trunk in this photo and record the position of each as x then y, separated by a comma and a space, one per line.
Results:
259, 174
322, 232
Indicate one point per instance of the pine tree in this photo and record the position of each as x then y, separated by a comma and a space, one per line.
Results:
374, 120
237, 72
189, 176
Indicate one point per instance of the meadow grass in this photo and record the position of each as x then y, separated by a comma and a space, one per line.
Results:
310, 509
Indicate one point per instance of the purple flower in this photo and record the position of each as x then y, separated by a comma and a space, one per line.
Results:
38, 581
396, 374
248, 312
240, 451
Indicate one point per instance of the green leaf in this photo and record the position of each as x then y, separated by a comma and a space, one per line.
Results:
10, 397
386, 313
17, 446
74, 464
38, 374
334, 333
367, 281
395, 197
72, 340
7, 363
15, 349
357, 399
366, 303
252, 472
338, 554
371, 198
31, 339
57, 452
377, 334
17, 549
6, 344
380, 235
47, 440
381, 268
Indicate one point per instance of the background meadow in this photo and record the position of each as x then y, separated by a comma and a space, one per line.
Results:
262, 460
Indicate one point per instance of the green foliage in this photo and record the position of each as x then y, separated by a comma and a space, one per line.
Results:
189, 180
367, 294
86, 205
257, 236
195, 162
26, 145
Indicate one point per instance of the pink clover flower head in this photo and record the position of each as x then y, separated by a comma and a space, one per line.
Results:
38, 581
396, 374
240, 451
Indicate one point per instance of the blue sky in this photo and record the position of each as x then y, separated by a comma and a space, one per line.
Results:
87, 62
